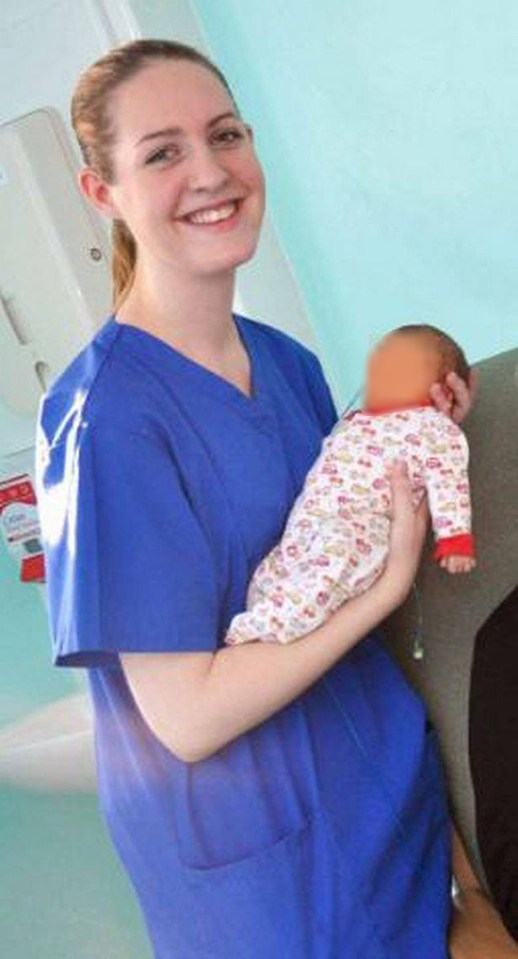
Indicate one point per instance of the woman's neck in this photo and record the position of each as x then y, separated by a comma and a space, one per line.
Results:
192, 313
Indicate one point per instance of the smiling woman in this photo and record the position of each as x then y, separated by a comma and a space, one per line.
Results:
223, 138
199, 181
266, 800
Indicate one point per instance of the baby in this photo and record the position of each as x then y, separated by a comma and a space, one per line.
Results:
335, 542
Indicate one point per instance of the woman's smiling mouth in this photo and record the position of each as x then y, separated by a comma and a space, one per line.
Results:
225, 213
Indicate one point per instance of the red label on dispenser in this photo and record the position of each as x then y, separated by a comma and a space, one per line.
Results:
20, 526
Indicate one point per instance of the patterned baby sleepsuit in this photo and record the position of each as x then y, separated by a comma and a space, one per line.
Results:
335, 541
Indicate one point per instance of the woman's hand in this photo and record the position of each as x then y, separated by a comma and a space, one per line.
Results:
407, 534
457, 399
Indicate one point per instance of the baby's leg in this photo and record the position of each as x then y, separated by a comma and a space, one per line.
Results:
292, 593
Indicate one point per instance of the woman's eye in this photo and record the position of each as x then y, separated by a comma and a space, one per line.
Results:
229, 136
160, 154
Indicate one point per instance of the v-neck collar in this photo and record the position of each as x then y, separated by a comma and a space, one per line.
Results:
144, 344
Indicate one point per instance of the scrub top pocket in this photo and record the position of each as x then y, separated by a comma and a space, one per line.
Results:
297, 887
232, 869
243, 842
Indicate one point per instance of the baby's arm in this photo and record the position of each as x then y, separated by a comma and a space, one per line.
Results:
445, 473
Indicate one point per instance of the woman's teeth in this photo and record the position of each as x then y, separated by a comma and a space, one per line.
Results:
214, 215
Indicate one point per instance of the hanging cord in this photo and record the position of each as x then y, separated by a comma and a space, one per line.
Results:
418, 636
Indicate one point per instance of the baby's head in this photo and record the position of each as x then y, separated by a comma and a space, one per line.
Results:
406, 362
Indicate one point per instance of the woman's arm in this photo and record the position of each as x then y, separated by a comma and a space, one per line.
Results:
195, 703
477, 932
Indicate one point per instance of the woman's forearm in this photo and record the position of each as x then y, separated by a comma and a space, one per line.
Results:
247, 683
197, 702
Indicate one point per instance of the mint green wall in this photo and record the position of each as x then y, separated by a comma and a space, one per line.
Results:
64, 896
389, 136
64, 892
26, 678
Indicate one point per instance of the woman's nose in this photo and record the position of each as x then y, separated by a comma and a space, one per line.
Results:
206, 169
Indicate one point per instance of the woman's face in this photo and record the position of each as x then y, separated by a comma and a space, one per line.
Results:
188, 182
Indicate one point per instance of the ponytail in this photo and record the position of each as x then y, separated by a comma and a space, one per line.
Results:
124, 259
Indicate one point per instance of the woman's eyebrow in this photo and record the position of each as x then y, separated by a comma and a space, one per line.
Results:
175, 131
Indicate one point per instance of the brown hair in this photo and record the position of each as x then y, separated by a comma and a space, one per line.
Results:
452, 357
95, 132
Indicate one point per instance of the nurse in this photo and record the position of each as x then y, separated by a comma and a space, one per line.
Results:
266, 800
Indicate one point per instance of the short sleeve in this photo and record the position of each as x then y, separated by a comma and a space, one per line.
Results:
321, 394
129, 567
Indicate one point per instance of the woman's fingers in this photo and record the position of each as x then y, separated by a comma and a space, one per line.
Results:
408, 525
401, 489
456, 398
462, 398
423, 509
407, 529
402, 496
443, 399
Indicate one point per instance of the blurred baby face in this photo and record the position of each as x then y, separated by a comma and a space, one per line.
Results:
401, 370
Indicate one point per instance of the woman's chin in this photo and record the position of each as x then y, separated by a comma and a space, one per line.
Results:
226, 260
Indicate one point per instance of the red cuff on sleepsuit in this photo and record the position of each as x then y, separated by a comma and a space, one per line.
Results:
461, 545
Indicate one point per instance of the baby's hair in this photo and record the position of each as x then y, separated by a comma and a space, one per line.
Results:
453, 359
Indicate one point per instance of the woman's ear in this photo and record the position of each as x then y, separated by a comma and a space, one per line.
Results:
96, 191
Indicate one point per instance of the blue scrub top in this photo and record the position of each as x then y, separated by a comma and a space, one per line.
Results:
321, 833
